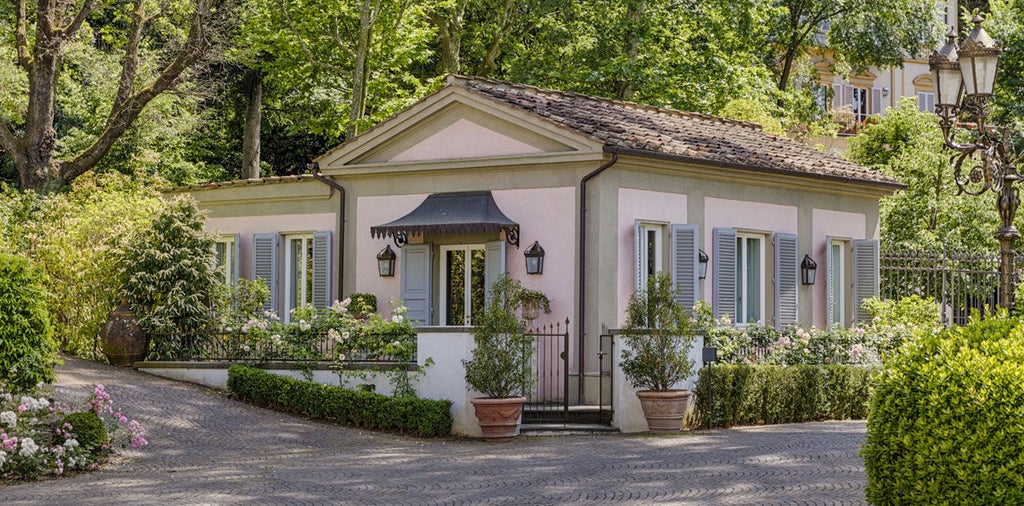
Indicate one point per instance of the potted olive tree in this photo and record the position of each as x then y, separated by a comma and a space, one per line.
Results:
658, 335
500, 367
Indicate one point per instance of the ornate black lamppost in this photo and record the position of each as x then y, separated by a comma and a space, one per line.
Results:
964, 77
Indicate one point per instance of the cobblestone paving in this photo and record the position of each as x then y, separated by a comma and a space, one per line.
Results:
207, 449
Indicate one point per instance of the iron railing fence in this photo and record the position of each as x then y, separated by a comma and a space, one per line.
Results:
231, 347
959, 281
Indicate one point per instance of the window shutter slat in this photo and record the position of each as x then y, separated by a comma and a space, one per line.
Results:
786, 279
724, 293
264, 264
684, 264
322, 269
638, 256
876, 101
830, 300
494, 266
865, 275
415, 276
234, 267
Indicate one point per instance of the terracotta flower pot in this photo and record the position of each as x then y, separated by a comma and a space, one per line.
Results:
499, 418
664, 410
122, 339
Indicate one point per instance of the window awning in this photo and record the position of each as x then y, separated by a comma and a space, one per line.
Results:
451, 214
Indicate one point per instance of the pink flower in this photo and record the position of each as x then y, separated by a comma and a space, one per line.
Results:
21, 408
122, 420
139, 442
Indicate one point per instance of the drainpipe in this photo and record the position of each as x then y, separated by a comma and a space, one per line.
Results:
315, 169
583, 264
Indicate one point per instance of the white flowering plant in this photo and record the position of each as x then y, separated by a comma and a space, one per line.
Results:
37, 437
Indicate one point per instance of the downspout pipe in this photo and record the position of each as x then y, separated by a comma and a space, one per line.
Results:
581, 318
315, 169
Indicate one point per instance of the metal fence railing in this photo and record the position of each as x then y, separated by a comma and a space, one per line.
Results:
960, 281
232, 347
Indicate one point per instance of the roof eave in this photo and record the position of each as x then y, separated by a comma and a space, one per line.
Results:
641, 153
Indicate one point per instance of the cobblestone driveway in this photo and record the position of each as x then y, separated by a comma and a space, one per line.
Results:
207, 449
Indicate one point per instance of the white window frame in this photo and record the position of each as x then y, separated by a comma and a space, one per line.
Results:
837, 282
649, 230
304, 265
226, 265
443, 269
742, 266
859, 103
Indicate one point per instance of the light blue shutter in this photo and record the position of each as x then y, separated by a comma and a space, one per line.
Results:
724, 254
865, 275
786, 280
322, 269
234, 260
684, 264
494, 266
416, 282
264, 264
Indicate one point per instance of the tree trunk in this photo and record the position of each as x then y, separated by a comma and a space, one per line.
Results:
634, 18
253, 117
449, 36
368, 11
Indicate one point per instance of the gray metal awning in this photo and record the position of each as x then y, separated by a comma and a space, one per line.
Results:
451, 214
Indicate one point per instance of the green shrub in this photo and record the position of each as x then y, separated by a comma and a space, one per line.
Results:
362, 304
947, 418
27, 350
771, 394
88, 429
500, 367
167, 275
658, 335
420, 417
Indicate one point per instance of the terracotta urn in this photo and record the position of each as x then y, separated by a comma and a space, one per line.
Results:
664, 410
123, 340
499, 418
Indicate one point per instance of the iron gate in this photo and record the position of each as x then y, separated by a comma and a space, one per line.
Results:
558, 391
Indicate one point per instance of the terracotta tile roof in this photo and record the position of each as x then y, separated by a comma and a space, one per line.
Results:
244, 182
643, 130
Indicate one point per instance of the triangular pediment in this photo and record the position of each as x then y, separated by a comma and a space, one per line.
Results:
455, 124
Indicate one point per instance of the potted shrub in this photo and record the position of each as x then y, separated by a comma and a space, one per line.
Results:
500, 367
659, 333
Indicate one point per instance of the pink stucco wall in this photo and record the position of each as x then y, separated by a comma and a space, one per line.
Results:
464, 139
743, 215
840, 225
546, 215
246, 226
648, 206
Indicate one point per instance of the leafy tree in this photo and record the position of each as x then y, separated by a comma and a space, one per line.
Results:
1006, 23
907, 144
857, 33
155, 45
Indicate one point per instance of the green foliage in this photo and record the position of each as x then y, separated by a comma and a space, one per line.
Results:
362, 304
500, 367
357, 408
167, 274
947, 418
658, 336
907, 145
27, 351
771, 394
75, 237
1005, 22
88, 428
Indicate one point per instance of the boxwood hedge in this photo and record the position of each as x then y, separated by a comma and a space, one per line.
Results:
947, 419
357, 408
770, 394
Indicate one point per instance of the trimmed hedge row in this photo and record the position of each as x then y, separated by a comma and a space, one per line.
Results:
770, 394
947, 418
420, 417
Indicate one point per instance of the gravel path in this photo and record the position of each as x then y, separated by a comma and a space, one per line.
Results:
207, 449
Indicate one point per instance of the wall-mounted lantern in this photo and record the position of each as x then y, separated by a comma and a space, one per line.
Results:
807, 270
702, 261
534, 259
386, 262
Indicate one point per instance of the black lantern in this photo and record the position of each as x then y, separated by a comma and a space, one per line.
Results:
534, 259
386, 262
807, 270
702, 260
